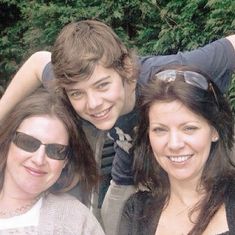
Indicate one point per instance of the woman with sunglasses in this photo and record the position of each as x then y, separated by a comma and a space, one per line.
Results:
183, 158
42, 156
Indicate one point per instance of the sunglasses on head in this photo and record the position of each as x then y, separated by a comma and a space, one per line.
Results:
190, 77
31, 144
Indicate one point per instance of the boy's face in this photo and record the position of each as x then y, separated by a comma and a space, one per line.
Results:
102, 98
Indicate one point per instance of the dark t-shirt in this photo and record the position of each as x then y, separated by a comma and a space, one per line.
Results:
216, 59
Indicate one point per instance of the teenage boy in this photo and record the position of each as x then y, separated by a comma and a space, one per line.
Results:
100, 77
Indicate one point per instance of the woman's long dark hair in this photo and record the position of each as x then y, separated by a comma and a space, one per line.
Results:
218, 172
81, 166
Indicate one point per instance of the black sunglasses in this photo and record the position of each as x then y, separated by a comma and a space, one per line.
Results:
31, 144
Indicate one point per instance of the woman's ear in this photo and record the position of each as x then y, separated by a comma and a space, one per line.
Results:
215, 135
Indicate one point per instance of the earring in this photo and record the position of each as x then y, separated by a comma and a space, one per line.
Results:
214, 139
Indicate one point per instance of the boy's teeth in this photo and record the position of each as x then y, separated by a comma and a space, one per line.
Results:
101, 113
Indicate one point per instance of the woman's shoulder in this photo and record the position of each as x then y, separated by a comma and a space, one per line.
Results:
142, 195
230, 205
139, 200
66, 203
139, 214
231, 188
69, 213
58, 197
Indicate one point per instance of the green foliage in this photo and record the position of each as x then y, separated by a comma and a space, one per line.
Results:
150, 26
231, 94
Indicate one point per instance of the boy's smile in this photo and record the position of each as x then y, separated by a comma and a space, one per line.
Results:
102, 98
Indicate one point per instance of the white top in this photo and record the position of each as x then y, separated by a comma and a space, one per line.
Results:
30, 218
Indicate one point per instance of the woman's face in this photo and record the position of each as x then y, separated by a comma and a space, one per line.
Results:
34, 172
180, 139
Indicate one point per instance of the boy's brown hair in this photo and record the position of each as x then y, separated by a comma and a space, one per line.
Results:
82, 45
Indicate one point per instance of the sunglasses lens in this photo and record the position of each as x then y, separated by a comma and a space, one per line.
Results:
196, 79
57, 151
190, 77
26, 142
193, 78
31, 144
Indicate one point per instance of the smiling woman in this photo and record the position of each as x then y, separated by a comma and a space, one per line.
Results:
42, 156
183, 157
180, 139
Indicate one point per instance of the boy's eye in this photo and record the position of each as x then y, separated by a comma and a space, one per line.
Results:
75, 94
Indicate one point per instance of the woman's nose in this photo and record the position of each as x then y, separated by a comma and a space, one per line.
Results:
39, 156
175, 141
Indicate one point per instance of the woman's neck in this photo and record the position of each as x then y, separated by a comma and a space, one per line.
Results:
15, 204
188, 193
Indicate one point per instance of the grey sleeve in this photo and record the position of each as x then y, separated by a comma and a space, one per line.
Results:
217, 59
47, 75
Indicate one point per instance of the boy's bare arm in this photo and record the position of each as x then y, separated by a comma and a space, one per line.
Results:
25, 81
